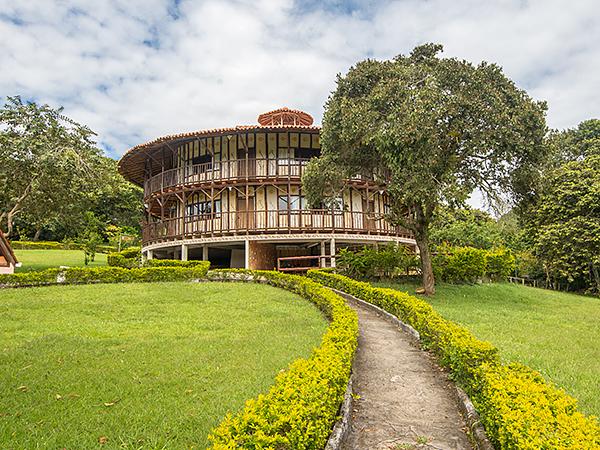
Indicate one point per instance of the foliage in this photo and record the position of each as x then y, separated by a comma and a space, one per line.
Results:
518, 408
46, 163
129, 258
387, 261
433, 129
468, 264
50, 245
84, 275
301, 407
520, 411
475, 228
566, 225
174, 354
51, 173
499, 264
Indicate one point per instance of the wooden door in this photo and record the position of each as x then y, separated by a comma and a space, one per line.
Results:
245, 217
248, 163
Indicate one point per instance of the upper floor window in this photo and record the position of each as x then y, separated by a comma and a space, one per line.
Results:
306, 153
295, 202
202, 163
201, 208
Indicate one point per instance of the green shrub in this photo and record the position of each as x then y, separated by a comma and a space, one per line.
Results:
459, 264
174, 263
499, 263
299, 410
83, 275
468, 264
50, 245
129, 258
118, 260
131, 252
518, 408
386, 262
42, 277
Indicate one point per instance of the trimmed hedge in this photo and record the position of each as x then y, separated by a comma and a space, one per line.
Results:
129, 258
469, 264
51, 245
518, 408
84, 275
300, 409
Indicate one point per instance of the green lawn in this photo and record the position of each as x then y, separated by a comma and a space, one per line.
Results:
553, 332
33, 260
143, 365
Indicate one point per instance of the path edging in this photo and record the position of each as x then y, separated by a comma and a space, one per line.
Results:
465, 404
341, 427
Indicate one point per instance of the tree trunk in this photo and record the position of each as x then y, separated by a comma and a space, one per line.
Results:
422, 238
36, 236
9, 224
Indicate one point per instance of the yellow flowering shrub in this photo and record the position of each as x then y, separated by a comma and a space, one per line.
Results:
518, 408
300, 409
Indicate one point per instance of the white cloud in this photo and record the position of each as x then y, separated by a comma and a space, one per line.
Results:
135, 70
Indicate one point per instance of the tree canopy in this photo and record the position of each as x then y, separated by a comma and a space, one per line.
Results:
565, 220
52, 173
432, 129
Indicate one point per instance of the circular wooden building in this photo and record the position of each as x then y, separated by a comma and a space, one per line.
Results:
234, 196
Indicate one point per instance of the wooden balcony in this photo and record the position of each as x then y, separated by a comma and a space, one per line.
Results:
231, 171
269, 222
226, 171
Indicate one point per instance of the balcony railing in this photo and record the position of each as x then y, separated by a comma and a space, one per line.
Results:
269, 222
230, 170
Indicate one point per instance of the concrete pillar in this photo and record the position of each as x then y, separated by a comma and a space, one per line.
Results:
332, 252
184, 252
323, 261
247, 254
149, 254
205, 252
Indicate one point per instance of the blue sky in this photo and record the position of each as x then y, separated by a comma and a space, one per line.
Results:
134, 70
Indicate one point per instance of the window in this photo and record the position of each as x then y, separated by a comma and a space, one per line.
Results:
306, 153
206, 162
296, 202
202, 208
387, 208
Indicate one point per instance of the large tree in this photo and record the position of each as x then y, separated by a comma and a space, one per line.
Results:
433, 129
564, 221
46, 163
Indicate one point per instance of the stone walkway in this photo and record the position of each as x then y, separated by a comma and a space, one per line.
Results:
406, 401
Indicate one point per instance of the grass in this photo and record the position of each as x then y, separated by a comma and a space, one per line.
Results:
553, 332
34, 260
141, 365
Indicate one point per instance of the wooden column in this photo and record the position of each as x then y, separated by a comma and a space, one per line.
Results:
184, 252
205, 252
332, 251
323, 260
247, 254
